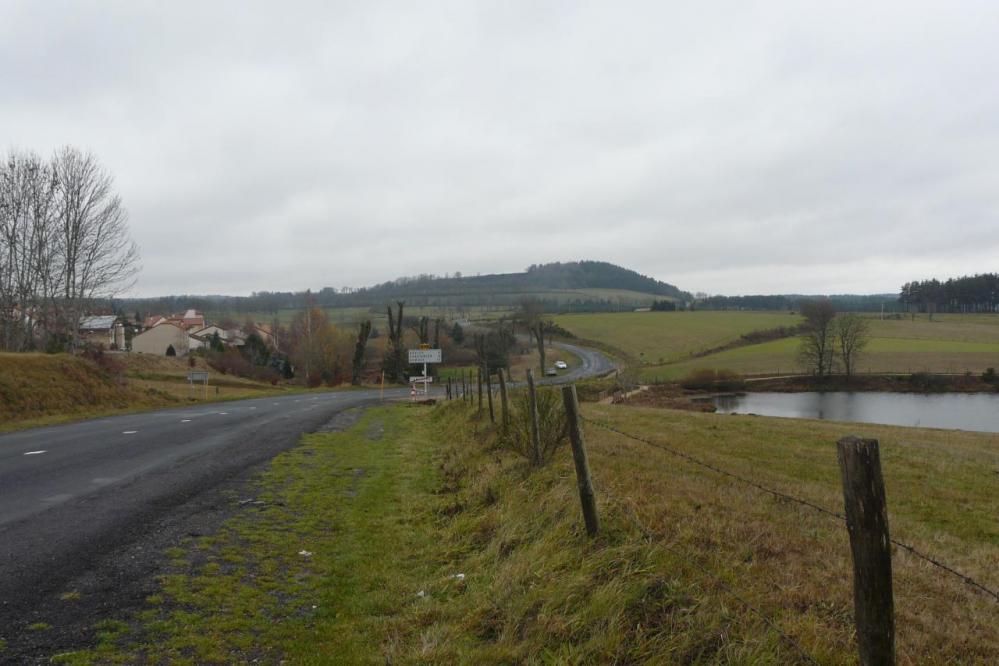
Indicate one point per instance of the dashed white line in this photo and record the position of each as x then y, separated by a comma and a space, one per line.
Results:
33, 453
129, 432
224, 413
185, 420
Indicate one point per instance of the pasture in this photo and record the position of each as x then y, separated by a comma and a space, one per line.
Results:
652, 338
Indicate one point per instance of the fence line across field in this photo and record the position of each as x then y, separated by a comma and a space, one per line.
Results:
968, 580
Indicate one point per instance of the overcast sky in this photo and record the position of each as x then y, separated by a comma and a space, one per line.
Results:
808, 147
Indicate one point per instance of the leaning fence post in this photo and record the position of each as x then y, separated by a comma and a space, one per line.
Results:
504, 405
867, 523
586, 496
532, 399
489, 392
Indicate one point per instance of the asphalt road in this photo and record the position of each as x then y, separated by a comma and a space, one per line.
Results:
87, 508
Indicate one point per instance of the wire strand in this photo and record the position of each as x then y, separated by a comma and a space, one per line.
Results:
654, 537
912, 550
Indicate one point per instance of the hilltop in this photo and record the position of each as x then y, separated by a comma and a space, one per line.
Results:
593, 285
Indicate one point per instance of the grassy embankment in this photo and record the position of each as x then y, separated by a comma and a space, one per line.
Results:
44, 389
948, 344
389, 512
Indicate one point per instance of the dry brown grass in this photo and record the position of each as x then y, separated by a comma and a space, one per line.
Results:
547, 590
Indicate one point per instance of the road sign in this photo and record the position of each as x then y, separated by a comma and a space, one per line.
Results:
425, 380
424, 355
197, 376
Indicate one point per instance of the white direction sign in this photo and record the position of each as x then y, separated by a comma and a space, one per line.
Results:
424, 355
423, 380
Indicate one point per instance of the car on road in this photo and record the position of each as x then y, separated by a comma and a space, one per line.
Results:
551, 372
561, 365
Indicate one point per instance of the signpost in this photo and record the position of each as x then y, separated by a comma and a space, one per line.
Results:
424, 355
198, 376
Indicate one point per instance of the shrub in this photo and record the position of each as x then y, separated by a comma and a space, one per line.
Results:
552, 424
924, 381
710, 379
989, 376
106, 362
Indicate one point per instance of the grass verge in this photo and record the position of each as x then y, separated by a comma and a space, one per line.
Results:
390, 512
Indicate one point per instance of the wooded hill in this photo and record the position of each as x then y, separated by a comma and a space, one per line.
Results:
566, 286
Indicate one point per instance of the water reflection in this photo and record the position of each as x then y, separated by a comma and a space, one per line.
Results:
959, 411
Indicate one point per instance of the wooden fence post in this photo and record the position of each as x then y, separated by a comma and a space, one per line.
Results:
586, 495
489, 392
867, 522
478, 375
504, 405
532, 399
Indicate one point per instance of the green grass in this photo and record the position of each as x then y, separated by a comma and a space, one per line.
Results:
393, 509
662, 337
882, 355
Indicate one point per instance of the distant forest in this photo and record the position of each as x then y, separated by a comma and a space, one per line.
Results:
504, 289
970, 293
791, 302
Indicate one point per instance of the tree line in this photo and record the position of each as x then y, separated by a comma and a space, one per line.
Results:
64, 243
970, 293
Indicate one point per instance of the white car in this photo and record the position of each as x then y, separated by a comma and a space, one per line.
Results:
561, 365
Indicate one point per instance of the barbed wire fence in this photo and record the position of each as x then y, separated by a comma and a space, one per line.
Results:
912, 550
660, 539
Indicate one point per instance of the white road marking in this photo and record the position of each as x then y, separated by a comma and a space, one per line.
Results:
129, 432
33, 453
185, 420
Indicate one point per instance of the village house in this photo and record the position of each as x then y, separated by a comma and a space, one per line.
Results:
103, 331
158, 339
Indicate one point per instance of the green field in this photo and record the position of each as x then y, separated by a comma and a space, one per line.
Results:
416, 537
662, 345
662, 337
895, 347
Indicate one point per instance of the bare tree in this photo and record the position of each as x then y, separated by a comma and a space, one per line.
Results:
530, 314
99, 259
29, 259
363, 333
818, 336
393, 363
852, 336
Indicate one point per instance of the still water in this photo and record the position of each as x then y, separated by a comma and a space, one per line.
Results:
959, 411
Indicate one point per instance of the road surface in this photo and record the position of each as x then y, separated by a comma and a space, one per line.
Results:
87, 508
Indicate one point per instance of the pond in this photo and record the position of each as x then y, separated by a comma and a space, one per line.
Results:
956, 411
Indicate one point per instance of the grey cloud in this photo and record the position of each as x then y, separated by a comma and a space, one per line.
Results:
793, 147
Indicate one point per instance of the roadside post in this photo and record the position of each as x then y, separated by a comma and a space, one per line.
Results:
198, 376
423, 355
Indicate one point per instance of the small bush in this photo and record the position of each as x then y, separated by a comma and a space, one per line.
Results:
709, 379
552, 424
924, 381
989, 376
111, 366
